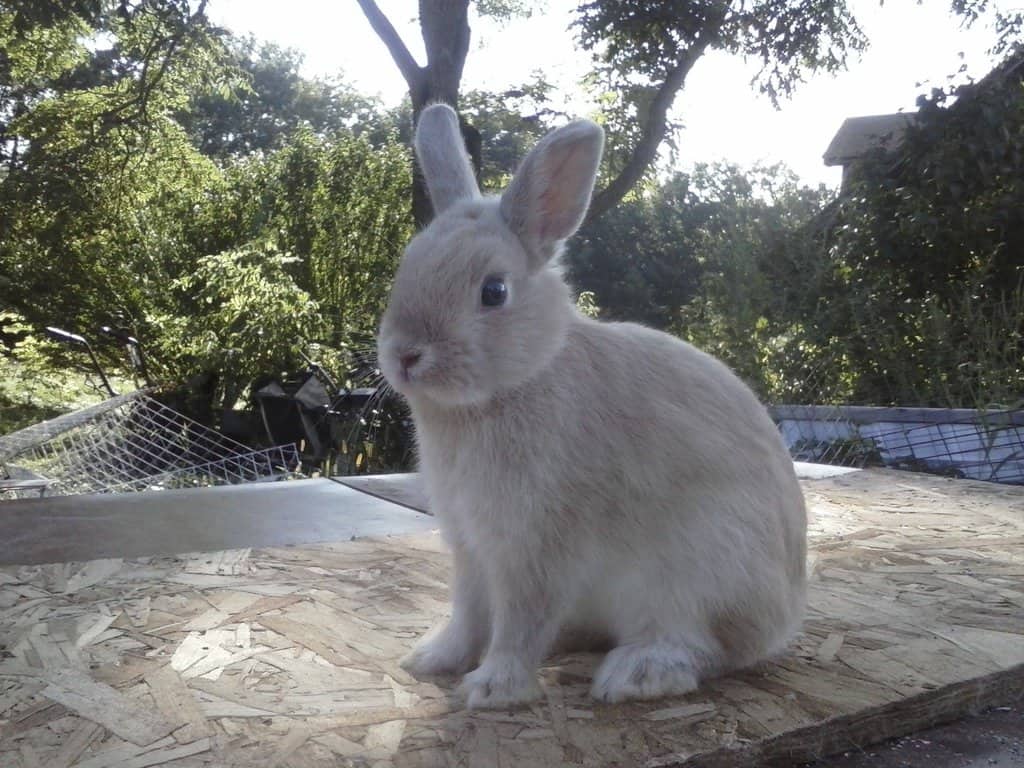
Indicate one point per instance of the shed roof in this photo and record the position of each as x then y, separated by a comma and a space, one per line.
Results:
858, 136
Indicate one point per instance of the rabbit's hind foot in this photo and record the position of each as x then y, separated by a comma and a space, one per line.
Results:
645, 671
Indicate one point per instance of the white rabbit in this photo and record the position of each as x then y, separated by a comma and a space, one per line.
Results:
592, 477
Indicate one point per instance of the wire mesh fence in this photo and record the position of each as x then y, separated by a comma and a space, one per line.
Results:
130, 443
976, 444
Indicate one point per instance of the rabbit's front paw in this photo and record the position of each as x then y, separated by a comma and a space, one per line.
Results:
502, 681
644, 672
448, 652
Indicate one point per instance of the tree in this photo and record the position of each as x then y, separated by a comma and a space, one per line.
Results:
445, 28
130, 61
761, 279
91, 160
924, 252
643, 52
110, 215
908, 289
510, 122
701, 253
640, 260
269, 102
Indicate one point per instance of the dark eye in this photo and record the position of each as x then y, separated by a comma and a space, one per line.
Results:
494, 292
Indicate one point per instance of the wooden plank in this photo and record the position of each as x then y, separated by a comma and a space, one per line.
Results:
79, 741
289, 656
29, 757
92, 573
178, 705
405, 490
127, 756
298, 735
265, 605
232, 562
105, 706
308, 637
870, 726
96, 627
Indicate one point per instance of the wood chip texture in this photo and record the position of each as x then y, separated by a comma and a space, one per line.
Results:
288, 657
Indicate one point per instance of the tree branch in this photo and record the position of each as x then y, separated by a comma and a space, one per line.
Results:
411, 71
653, 134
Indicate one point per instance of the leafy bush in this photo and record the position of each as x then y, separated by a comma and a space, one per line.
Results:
239, 314
923, 257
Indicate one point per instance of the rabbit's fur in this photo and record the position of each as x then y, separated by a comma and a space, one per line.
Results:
592, 479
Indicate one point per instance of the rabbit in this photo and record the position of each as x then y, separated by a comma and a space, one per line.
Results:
592, 479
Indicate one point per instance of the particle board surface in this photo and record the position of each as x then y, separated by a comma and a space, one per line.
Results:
288, 656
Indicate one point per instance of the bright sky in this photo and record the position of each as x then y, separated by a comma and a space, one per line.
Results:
724, 117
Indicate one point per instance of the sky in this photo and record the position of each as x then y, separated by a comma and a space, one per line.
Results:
913, 46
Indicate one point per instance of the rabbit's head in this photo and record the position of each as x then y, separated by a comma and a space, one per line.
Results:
478, 304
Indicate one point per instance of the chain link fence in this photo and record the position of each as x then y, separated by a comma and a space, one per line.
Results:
956, 442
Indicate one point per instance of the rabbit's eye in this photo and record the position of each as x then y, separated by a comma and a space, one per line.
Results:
494, 292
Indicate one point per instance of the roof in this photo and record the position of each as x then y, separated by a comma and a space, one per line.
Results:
859, 136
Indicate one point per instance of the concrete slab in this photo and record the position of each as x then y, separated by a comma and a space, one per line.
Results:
87, 527
405, 489
74, 528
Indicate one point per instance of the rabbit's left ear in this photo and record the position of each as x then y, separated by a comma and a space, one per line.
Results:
550, 193
442, 155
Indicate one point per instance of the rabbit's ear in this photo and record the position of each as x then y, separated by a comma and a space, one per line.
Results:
550, 193
442, 155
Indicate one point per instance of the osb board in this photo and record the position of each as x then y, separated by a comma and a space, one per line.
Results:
286, 657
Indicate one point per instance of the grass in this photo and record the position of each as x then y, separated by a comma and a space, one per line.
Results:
30, 395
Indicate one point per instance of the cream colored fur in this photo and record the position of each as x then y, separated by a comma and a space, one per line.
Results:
598, 480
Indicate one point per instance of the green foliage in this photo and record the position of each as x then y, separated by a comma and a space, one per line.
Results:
341, 207
586, 304
908, 289
112, 215
240, 314
693, 243
506, 10
509, 123
140, 257
924, 254
752, 241
639, 259
126, 64
92, 229
269, 102
31, 388
96, 175
199, 192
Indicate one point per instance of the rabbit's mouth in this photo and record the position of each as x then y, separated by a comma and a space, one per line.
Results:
439, 370
440, 384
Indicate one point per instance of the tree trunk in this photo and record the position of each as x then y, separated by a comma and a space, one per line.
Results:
445, 28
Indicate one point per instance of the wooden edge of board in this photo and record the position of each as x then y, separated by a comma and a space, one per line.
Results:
870, 726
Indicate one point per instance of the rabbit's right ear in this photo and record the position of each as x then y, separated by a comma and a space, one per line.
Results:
442, 156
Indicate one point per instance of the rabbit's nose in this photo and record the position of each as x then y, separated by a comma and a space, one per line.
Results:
409, 359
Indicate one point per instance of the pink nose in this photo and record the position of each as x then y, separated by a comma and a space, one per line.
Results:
409, 359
